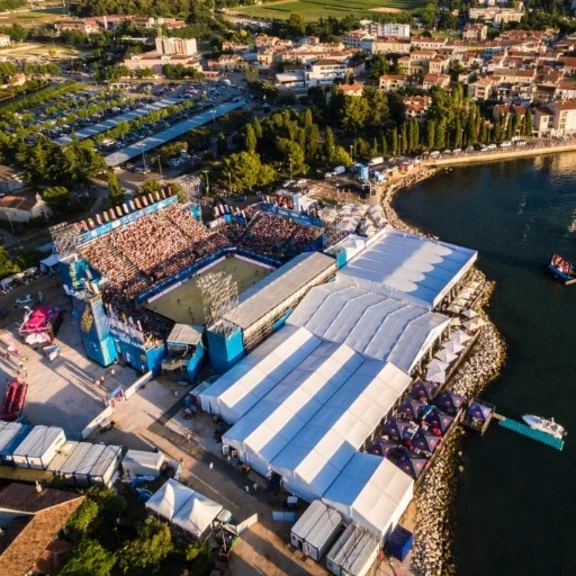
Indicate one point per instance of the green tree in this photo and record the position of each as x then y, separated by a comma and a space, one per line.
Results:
83, 518
312, 144
293, 156
354, 114
329, 144
114, 189
149, 186
89, 558
7, 266
250, 140
394, 141
242, 170
257, 128
145, 553
341, 157
404, 139
527, 131
57, 197
221, 145
440, 136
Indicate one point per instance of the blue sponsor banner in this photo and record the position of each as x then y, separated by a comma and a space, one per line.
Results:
302, 219
106, 228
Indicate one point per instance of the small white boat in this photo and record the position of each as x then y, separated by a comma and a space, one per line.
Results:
544, 425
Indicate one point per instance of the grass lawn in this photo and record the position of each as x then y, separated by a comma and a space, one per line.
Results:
33, 17
314, 9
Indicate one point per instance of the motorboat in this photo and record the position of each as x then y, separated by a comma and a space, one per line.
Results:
545, 425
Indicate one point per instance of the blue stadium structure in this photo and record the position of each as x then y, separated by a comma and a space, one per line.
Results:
115, 262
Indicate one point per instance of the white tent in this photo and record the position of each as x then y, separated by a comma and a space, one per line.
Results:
445, 355
371, 492
460, 337
245, 384
411, 268
142, 463
474, 324
317, 454
185, 508
374, 325
453, 347
264, 431
436, 371
49, 264
469, 313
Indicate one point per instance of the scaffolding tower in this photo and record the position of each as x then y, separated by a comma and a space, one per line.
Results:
333, 227
219, 297
64, 237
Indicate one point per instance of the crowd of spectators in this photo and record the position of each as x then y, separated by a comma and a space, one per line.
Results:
137, 256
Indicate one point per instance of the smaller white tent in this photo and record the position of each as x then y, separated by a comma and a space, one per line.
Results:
142, 463
185, 508
371, 492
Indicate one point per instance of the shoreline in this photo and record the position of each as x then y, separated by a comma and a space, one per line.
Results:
433, 552
499, 156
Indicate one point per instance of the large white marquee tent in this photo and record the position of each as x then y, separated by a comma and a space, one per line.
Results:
405, 266
374, 325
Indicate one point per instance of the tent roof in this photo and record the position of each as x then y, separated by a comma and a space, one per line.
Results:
373, 324
369, 492
295, 400
185, 334
146, 458
184, 507
246, 383
323, 447
277, 287
39, 441
409, 267
50, 261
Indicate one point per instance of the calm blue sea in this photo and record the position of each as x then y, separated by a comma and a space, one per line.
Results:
516, 501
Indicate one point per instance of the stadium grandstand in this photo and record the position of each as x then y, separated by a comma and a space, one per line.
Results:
305, 403
122, 259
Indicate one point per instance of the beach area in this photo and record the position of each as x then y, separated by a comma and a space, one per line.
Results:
432, 513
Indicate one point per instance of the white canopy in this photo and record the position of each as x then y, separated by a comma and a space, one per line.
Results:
239, 389
374, 325
469, 313
453, 347
445, 355
406, 266
460, 337
371, 492
184, 507
273, 422
316, 455
474, 324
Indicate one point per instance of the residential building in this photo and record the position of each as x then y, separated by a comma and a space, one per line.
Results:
496, 14
178, 46
564, 118
392, 82
23, 207
476, 32
30, 519
415, 107
324, 71
543, 121
386, 29
566, 89
85, 25
423, 43
431, 80
155, 61
390, 46
356, 39
439, 65
11, 179
355, 89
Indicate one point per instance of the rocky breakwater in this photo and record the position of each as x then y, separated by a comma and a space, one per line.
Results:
433, 541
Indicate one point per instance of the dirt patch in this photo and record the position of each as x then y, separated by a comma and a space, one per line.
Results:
386, 10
